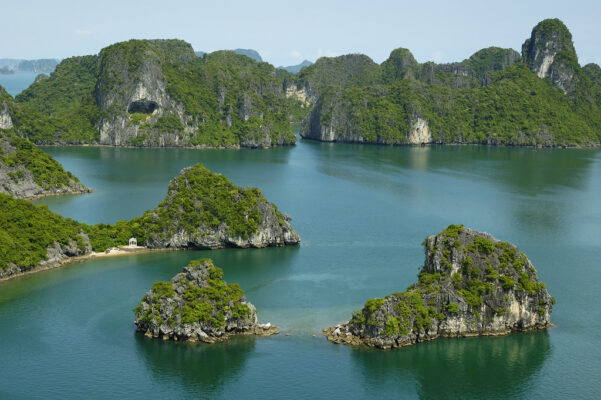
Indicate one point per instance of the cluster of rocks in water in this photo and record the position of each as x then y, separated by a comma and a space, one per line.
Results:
198, 306
470, 285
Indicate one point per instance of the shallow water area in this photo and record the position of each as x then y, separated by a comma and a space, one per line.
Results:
362, 212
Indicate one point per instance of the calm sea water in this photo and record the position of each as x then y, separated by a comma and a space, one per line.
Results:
17, 82
362, 212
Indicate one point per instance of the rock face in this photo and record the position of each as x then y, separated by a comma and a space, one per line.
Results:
6, 121
27, 172
159, 93
470, 285
550, 53
198, 306
132, 89
203, 210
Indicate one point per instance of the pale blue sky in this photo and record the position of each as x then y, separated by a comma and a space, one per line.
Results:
285, 33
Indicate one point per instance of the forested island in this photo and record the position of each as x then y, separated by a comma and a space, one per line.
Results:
161, 93
541, 97
197, 305
470, 285
158, 93
202, 210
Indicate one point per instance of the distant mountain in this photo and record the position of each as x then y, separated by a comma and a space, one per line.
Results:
245, 52
249, 53
46, 65
42, 65
295, 69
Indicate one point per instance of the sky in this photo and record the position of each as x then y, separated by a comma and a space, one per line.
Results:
286, 33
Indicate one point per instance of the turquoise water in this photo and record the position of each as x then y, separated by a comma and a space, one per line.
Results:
17, 82
362, 212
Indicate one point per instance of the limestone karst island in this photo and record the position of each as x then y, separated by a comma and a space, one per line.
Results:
160, 163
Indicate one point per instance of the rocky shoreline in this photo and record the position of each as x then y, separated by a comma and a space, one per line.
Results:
68, 260
470, 285
197, 305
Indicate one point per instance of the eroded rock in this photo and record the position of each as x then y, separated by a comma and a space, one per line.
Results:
470, 285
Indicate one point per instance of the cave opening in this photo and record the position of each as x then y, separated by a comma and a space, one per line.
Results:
142, 106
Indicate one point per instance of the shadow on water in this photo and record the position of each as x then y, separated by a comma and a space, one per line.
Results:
526, 170
491, 368
202, 369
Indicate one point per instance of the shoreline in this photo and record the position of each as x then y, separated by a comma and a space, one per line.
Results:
111, 252
345, 337
192, 147
436, 144
56, 194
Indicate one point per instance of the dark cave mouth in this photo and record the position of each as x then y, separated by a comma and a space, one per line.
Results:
142, 106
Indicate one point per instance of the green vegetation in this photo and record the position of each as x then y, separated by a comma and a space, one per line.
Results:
198, 201
26, 230
46, 171
203, 304
491, 98
229, 99
487, 266
482, 245
200, 198
62, 108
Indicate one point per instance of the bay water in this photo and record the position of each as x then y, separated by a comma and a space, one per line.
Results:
362, 212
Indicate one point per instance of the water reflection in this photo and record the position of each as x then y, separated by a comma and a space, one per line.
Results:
492, 368
526, 170
201, 369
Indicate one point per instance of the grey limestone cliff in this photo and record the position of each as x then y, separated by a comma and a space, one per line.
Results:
132, 90
198, 306
470, 285
550, 53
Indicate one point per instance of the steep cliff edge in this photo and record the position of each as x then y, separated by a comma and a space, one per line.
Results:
198, 305
550, 53
470, 285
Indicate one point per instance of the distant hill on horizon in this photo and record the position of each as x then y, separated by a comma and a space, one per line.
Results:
253, 54
295, 69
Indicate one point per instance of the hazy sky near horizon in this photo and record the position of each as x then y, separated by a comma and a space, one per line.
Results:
285, 33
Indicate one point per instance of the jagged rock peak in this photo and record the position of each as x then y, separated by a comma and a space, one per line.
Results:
550, 53
470, 285
198, 305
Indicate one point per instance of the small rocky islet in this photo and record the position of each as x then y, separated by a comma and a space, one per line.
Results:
197, 305
470, 285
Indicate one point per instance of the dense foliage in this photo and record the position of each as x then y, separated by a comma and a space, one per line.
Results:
517, 108
486, 265
493, 97
201, 304
26, 230
229, 99
197, 201
20, 154
199, 198
62, 108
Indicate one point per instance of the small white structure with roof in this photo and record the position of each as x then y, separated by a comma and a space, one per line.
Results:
132, 242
